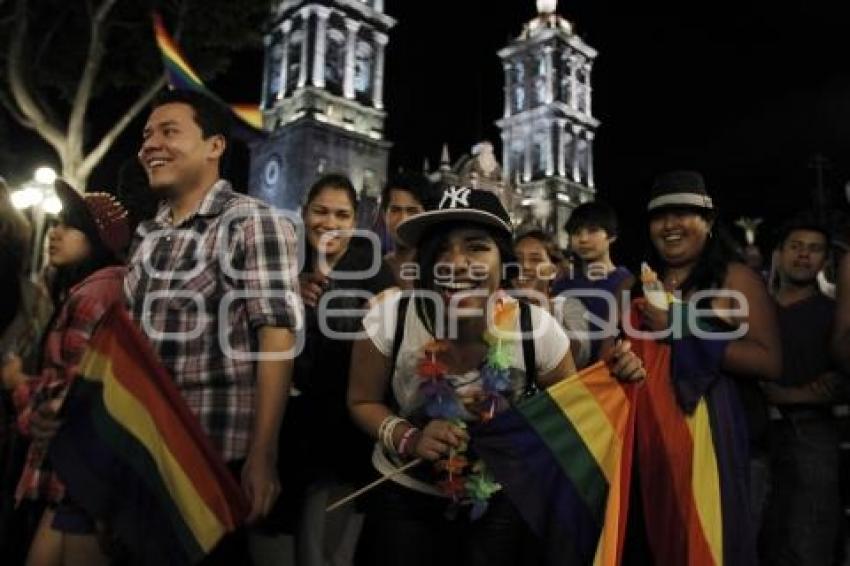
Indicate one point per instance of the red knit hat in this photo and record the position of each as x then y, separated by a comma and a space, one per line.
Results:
105, 212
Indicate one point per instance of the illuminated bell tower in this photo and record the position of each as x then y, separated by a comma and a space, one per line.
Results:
548, 125
322, 99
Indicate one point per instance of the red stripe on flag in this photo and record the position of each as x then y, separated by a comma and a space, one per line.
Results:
138, 370
665, 458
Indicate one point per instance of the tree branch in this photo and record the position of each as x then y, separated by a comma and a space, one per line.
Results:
12, 109
86, 86
95, 155
35, 118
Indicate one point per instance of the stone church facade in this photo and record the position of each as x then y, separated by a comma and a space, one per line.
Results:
322, 99
323, 106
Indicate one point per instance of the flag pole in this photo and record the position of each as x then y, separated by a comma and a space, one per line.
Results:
374, 484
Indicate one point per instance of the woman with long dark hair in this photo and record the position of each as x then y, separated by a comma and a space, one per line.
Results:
86, 249
323, 454
440, 357
714, 323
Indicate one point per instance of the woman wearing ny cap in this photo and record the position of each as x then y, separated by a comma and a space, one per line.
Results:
435, 359
732, 339
86, 248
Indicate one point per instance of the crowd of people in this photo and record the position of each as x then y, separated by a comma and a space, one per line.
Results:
393, 356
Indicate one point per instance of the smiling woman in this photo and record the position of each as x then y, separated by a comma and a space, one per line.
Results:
334, 302
702, 374
329, 216
443, 330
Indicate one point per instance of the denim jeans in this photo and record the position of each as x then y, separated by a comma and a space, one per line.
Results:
408, 528
803, 515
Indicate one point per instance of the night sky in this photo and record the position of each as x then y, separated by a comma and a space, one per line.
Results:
746, 92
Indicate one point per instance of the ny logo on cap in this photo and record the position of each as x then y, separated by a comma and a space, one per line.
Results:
458, 196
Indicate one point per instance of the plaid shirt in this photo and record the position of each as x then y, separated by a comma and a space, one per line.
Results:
201, 290
67, 339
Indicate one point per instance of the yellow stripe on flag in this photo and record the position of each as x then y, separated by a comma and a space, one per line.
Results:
584, 412
609, 394
602, 426
171, 51
250, 114
706, 480
126, 410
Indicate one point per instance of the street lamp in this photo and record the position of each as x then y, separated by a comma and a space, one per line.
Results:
45, 176
38, 197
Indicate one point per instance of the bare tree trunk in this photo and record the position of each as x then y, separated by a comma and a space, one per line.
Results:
90, 161
68, 140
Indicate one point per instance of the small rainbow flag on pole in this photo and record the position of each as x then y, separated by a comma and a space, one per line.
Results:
133, 456
564, 458
181, 75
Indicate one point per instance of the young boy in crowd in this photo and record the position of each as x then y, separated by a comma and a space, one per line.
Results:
404, 196
593, 230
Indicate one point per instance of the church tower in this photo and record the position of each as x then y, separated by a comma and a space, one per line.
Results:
322, 98
548, 125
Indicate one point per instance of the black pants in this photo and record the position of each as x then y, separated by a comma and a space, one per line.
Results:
802, 521
407, 528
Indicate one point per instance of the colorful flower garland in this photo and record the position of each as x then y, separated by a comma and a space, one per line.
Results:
464, 480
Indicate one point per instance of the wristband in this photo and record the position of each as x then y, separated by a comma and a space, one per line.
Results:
386, 430
406, 444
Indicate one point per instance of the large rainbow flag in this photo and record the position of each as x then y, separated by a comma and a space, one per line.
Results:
181, 75
691, 441
133, 456
564, 458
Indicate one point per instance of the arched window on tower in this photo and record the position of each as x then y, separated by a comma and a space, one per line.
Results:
566, 82
541, 65
273, 74
582, 160
581, 77
540, 80
519, 86
538, 155
296, 41
568, 141
517, 158
363, 71
539, 91
334, 59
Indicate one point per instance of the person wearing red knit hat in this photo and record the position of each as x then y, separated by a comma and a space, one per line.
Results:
86, 249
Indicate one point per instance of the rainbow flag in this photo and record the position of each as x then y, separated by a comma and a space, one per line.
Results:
564, 459
133, 456
691, 441
181, 75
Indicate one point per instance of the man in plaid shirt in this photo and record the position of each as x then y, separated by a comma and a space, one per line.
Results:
212, 283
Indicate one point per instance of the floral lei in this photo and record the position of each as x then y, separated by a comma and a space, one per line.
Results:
464, 479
